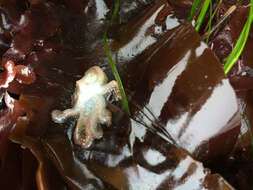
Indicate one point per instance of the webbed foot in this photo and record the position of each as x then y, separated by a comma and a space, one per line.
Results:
58, 116
85, 142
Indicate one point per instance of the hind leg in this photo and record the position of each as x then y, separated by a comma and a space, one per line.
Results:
83, 140
86, 131
80, 136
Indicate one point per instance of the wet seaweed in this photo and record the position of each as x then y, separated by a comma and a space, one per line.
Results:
249, 131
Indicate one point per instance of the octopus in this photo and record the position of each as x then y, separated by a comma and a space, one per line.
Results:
89, 104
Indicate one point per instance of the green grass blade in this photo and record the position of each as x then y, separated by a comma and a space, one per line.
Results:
210, 21
202, 14
194, 9
115, 11
112, 64
208, 27
239, 46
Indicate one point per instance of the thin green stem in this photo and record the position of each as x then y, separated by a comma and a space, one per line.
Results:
112, 64
209, 22
239, 46
194, 9
208, 33
202, 14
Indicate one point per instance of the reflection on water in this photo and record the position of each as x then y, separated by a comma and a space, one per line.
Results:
153, 157
190, 97
141, 178
212, 116
141, 40
101, 9
162, 90
171, 22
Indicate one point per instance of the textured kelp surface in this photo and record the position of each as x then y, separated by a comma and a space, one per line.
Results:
184, 111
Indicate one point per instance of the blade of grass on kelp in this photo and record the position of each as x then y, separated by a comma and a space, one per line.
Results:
239, 46
112, 64
210, 21
209, 25
194, 9
202, 14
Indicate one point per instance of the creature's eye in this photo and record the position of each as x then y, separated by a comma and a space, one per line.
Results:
91, 78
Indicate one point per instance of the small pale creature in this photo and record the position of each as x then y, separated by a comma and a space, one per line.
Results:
90, 106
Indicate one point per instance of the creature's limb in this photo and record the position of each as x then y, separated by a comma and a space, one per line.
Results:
81, 139
105, 117
110, 86
86, 131
79, 135
60, 116
113, 86
117, 94
94, 128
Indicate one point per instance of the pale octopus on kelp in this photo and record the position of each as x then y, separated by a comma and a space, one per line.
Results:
90, 106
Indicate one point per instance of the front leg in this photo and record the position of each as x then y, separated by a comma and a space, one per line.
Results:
113, 86
60, 116
109, 86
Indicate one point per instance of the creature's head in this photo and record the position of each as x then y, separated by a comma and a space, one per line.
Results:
94, 75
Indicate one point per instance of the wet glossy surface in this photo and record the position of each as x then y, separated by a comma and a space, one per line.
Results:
187, 93
149, 163
239, 163
176, 88
132, 158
